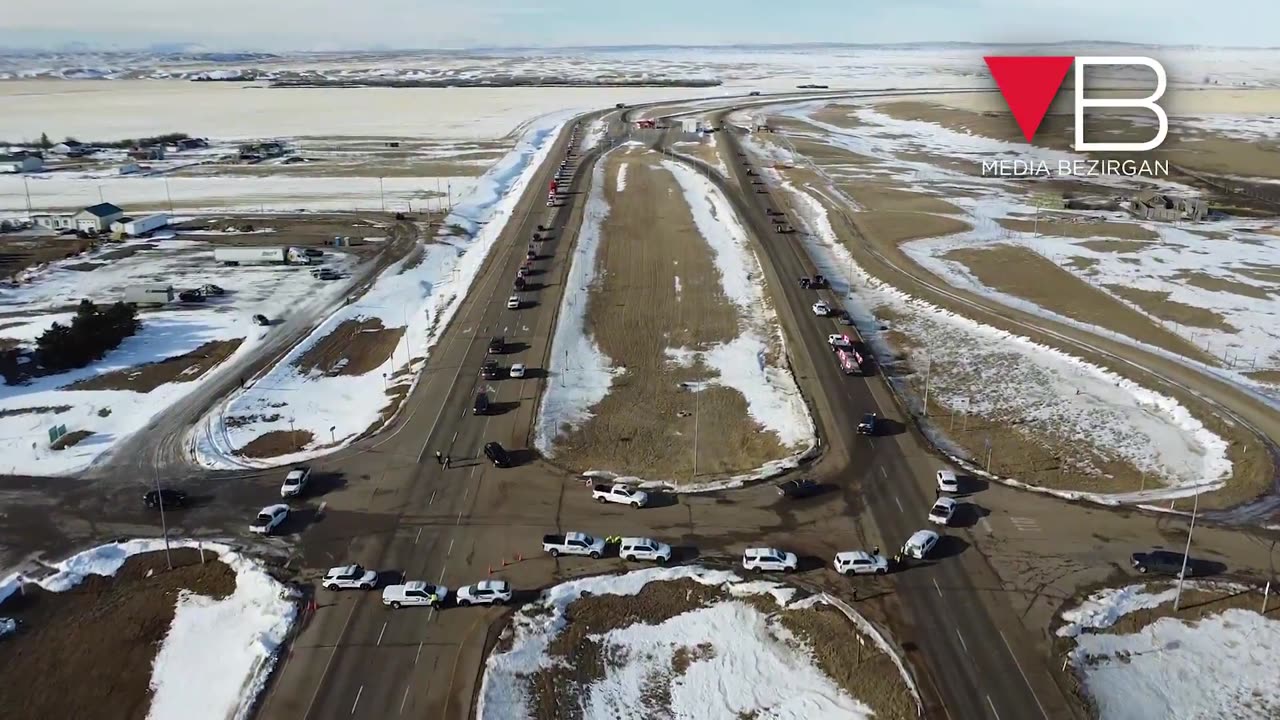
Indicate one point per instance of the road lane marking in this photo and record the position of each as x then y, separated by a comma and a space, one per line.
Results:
1024, 674
459, 517
441, 578
993, 708
380, 633
433, 497
465, 491
895, 499
450, 548
883, 474
985, 525
419, 653
963, 644
1025, 524
325, 672
405, 698
417, 537
357, 702
935, 587
455, 432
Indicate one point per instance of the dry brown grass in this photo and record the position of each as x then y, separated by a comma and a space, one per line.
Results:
1157, 303
355, 347
1065, 228
70, 439
277, 443
1221, 284
901, 227
1260, 273
1266, 376
646, 424
838, 115
1115, 246
179, 368
1030, 276
42, 410
880, 196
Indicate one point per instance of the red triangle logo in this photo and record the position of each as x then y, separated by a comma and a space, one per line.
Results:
1028, 85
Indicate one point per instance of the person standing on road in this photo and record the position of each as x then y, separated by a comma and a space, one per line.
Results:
876, 551
446, 462
439, 458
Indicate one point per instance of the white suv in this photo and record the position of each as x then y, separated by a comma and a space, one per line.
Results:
947, 481
772, 559
486, 592
644, 549
295, 481
349, 577
857, 562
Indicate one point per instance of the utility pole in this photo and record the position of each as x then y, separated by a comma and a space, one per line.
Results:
1177, 599
100, 194
928, 364
164, 527
27, 188
168, 195
382, 195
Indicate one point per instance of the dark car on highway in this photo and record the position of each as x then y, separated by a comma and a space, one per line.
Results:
868, 424
481, 406
165, 497
797, 489
490, 370
1163, 562
497, 345
497, 455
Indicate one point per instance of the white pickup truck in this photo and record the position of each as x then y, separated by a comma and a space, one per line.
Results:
839, 342
573, 543
621, 494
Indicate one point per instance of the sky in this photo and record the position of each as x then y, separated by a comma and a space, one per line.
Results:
437, 24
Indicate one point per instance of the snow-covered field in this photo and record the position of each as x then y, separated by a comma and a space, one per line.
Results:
743, 364
218, 653
1220, 666
279, 193
420, 298
283, 293
745, 662
1037, 383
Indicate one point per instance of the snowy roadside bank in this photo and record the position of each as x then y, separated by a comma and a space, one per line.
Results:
415, 298
726, 650
218, 653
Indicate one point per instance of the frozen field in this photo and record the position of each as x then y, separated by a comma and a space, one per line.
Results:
734, 654
415, 299
1040, 388
48, 293
1220, 665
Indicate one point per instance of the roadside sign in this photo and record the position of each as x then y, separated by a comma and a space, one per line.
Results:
962, 404
55, 432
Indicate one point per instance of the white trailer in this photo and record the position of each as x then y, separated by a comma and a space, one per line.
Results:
142, 226
261, 256
154, 294
689, 125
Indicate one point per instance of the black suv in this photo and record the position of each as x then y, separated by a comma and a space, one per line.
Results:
797, 489
489, 370
1164, 562
497, 345
497, 455
482, 405
867, 426
165, 497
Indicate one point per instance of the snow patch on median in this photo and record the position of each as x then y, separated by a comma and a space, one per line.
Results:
581, 373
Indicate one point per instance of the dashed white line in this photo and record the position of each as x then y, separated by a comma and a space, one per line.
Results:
895, 499
455, 432
404, 699
993, 708
381, 632
459, 517
450, 547
433, 497
357, 702
883, 474
418, 654
1022, 672
440, 579
935, 587
963, 644
417, 537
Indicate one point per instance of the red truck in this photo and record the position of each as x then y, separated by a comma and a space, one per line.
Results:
850, 361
